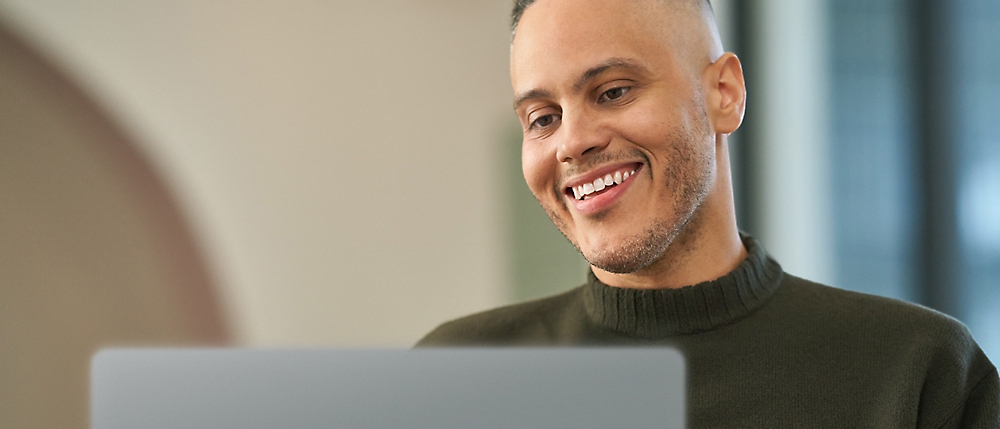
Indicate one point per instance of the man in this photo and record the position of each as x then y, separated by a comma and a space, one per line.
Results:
626, 106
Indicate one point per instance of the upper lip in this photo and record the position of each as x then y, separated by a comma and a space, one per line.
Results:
598, 172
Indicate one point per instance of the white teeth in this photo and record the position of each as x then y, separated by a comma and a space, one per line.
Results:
598, 184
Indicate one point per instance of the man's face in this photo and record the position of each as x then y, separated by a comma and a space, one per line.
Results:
603, 96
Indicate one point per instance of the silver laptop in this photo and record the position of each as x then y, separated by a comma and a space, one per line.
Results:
398, 389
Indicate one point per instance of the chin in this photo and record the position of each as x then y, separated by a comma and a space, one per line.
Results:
632, 253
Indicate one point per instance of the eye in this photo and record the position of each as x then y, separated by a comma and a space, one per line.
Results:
544, 121
614, 93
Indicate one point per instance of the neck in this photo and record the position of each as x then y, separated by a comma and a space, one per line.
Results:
706, 248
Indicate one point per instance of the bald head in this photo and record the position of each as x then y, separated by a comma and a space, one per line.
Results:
703, 5
689, 25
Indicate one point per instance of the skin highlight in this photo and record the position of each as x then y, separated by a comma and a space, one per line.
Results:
632, 82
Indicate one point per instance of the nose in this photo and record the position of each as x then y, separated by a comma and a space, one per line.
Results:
581, 136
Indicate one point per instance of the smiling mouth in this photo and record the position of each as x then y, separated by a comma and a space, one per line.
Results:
601, 184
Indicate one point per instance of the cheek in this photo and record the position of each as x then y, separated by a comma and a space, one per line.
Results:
655, 127
538, 166
646, 128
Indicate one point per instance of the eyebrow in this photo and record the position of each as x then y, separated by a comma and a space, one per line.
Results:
591, 73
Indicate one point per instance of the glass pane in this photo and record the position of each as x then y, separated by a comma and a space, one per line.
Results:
977, 83
872, 150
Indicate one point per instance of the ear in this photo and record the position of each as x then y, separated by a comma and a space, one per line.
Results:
726, 93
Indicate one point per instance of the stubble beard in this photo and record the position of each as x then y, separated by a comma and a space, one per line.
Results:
689, 171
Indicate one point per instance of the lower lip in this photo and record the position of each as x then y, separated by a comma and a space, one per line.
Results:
598, 203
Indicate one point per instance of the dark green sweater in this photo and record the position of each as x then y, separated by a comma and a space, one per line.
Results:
769, 350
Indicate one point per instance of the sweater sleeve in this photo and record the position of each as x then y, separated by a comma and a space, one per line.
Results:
959, 387
963, 389
981, 408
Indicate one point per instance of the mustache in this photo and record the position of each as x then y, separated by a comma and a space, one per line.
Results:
600, 158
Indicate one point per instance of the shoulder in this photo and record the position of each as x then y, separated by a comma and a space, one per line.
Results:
933, 353
524, 323
861, 326
864, 313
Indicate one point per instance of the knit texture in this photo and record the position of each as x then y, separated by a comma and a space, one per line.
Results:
768, 349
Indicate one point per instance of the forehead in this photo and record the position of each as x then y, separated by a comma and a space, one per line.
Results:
555, 39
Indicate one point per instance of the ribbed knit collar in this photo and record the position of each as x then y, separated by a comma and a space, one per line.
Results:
666, 312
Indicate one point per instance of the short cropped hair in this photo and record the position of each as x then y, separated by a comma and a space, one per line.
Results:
515, 16
521, 5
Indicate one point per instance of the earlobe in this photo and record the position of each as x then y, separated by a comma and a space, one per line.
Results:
727, 99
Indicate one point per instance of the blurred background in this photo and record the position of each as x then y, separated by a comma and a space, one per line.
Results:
348, 173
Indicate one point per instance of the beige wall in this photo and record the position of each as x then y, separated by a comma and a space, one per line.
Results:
335, 159
93, 250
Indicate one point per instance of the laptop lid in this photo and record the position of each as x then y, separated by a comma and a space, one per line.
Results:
398, 389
